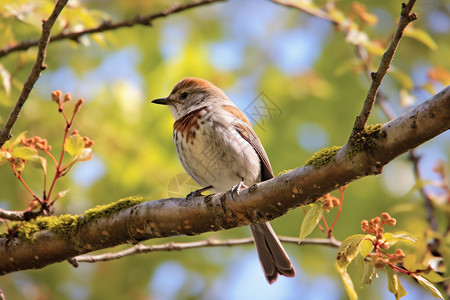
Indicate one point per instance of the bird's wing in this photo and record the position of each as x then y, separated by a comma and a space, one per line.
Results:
246, 131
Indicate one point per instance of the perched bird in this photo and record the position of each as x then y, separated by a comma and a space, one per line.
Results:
218, 148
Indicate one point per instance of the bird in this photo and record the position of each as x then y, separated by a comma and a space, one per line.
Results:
219, 149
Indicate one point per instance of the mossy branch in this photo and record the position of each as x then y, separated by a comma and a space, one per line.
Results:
48, 240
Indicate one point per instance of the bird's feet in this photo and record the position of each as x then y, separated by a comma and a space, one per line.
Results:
197, 193
236, 189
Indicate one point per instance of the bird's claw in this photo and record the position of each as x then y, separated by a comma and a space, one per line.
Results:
197, 193
236, 189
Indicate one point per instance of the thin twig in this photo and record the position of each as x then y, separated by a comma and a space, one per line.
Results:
171, 246
38, 67
25, 215
405, 18
108, 25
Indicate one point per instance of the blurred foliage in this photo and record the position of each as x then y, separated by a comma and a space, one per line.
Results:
305, 67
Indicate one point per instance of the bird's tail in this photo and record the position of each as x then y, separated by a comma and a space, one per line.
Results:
272, 256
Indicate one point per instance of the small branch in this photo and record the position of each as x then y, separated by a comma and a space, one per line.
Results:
38, 67
25, 215
108, 25
171, 246
406, 18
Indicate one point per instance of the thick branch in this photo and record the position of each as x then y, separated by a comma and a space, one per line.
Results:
139, 248
38, 67
107, 25
259, 203
405, 18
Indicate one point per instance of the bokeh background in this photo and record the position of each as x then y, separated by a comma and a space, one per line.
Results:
257, 51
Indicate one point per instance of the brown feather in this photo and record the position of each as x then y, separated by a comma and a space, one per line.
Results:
187, 124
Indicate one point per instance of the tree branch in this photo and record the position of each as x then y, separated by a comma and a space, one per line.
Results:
108, 25
38, 67
265, 201
405, 18
171, 246
25, 215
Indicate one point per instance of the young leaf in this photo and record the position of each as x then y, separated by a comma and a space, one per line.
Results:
23, 152
311, 220
348, 250
17, 140
348, 283
429, 286
368, 274
433, 277
394, 285
74, 145
39, 162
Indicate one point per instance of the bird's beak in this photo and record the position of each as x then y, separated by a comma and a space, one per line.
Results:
163, 101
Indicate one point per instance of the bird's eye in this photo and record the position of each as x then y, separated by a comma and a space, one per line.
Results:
184, 95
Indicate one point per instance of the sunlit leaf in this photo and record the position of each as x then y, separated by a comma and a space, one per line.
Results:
311, 220
23, 152
348, 283
16, 141
394, 284
420, 35
429, 286
368, 273
39, 162
392, 238
74, 145
348, 250
433, 276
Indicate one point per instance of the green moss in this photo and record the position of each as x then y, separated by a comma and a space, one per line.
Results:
101, 211
323, 157
67, 225
282, 172
366, 140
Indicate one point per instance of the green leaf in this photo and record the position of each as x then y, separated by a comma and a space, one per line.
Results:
23, 152
348, 283
368, 273
17, 140
394, 285
74, 145
401, 236
429, 286
433, 277
311, 220
420, 35
366, 247
349, 248
39, 162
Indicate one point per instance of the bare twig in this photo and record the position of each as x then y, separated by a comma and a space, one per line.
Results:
21, 215
38, 67
108, 25
171, 246
405, 18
